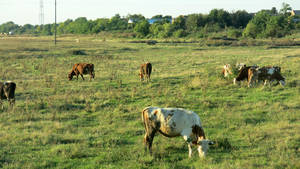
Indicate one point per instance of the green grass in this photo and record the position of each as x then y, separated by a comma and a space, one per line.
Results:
58, 123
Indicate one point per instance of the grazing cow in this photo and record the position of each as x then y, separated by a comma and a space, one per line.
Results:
82, 69
243, 73
145, 71
172, 122
7, 92
226, 70
267, 73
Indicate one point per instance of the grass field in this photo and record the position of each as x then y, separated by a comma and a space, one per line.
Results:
58, 123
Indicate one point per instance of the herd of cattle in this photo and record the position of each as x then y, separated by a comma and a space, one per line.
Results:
255, 74
170, 122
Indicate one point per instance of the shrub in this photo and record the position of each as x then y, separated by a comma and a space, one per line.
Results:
142, 28
179, 33
234, 33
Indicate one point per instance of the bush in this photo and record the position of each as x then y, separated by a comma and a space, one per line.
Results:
179, 33
250, 31
234, 33
142, 28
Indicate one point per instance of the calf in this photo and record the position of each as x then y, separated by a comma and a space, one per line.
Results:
7, 92
82, 69
226, 70
267, 73
243, 73
173, 122
145, 71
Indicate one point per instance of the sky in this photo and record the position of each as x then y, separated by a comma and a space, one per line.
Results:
27, 11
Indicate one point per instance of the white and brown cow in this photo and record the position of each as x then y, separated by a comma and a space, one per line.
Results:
173, 122
226, 71
7, 92
267, 73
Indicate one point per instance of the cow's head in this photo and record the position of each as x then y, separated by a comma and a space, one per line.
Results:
141, 76
240, 66
71, 74
204, 146
9, 90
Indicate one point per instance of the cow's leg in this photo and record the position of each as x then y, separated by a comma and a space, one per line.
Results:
148, 140
190, 150
12, 102
186, 136
149, 79
1, 104
82, 76
91, 76
201, 151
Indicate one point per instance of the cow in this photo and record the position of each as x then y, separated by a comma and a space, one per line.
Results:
226, 70
82, 69
243, 73
173, 122
7, 92
267, 73
145, 71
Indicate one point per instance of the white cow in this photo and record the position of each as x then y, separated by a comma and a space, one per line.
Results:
173, 122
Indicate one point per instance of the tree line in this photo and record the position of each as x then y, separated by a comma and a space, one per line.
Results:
265, 23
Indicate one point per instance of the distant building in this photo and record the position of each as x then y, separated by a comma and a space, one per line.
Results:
153, 20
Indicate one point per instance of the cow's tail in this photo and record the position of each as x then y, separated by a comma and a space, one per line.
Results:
145, 117
150, 68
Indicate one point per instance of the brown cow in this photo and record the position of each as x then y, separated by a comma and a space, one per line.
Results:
82, 69
267, 73
7, 91
145, 70
243, 73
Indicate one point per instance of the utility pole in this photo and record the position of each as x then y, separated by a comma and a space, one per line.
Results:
55, 26
41, 15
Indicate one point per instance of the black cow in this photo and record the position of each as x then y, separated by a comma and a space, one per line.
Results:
7, 92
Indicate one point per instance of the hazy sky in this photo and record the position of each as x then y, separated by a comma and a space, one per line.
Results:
27, 11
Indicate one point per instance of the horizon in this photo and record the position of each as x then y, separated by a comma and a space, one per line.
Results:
28, 13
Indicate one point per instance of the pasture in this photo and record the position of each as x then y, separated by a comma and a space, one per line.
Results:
58, 123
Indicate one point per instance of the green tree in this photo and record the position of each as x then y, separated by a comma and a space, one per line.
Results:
135, 18
156, 29
142, 28
285, 9
179, 23
251, 30
194, 21
100, 25
240, 19
117, 23
8, 27
220, 17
